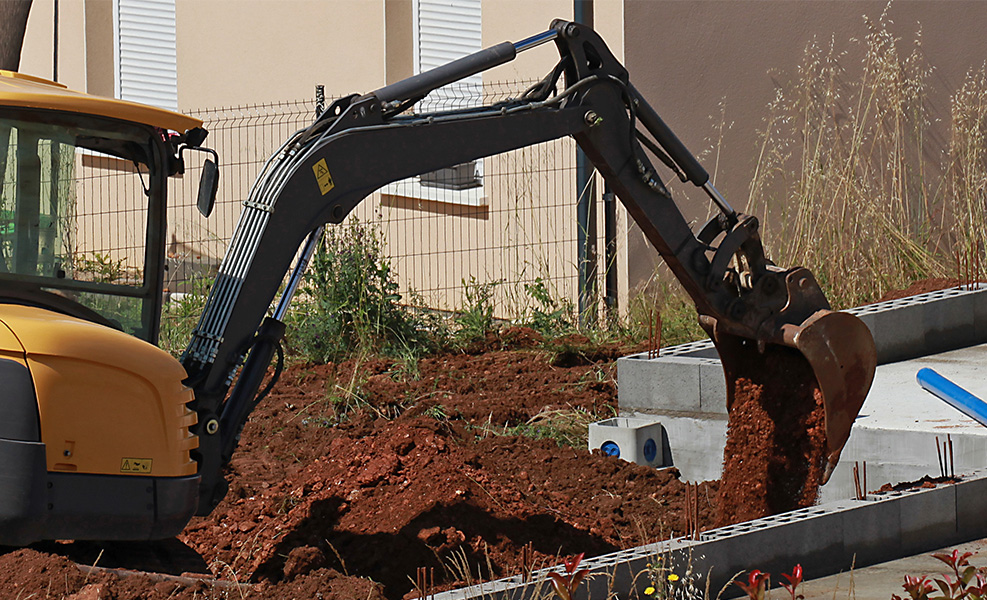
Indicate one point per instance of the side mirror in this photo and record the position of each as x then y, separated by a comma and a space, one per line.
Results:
208, 181
208, 186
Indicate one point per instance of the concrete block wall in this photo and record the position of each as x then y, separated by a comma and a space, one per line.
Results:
824, 539
688, 379
927, 323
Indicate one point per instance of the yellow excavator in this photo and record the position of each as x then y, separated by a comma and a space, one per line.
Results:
106, 436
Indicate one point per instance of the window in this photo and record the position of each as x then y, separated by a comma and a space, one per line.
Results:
445, 30
144, 51
74, 236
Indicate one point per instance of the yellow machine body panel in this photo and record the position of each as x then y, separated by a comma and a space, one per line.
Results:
108, 402
10, 346
17, 89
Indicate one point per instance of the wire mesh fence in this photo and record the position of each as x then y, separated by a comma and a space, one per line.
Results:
507, 220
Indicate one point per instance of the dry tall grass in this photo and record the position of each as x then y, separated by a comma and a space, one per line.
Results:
851, 184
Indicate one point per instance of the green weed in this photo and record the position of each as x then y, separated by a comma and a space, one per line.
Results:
349, 302
548, 316
475, 319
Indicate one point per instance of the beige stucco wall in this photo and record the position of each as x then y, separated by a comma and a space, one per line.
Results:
689, 56
235, 52
229, 52
37, 52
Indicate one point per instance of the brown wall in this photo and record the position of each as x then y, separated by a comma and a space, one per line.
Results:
688, 56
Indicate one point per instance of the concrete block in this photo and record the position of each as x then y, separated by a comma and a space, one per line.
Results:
928, 520
870, 528
926, 323
971, 506
980, 312
897, 335
634, 440
948, 325
658, 384
712, 387
695, 445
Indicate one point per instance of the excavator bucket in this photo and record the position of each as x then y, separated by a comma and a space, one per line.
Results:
833, 348
840, 350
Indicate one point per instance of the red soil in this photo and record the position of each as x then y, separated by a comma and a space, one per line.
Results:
922, 287
378, 474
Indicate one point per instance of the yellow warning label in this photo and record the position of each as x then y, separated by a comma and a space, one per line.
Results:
323, 177
135, 465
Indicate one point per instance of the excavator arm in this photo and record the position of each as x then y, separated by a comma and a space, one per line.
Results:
361, 143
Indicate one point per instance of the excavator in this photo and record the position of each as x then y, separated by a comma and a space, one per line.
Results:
105, 436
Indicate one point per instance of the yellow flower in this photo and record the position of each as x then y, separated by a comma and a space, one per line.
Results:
673, 577
649, 591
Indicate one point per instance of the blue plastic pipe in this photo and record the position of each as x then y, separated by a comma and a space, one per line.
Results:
952, 394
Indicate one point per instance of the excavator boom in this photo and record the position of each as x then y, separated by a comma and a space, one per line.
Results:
363, 142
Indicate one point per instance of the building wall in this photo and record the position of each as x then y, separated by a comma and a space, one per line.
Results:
692, 57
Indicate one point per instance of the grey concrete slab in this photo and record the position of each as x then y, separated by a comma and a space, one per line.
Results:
879, 581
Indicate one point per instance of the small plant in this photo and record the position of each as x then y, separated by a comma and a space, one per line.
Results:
757, 584
792, 582
349, 303
966, 581
565, 586
101, 268
666, 589
668, 583
549, 317
437, 412
918, 588
476, 318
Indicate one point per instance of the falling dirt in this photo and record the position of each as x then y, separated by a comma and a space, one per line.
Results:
776, 438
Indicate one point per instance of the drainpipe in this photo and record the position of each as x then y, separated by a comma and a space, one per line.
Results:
610, 249
585, 208
54, 48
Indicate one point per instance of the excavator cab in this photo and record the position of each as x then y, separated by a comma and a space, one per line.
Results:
45, 259
95, 440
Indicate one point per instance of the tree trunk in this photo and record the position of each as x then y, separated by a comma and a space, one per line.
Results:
13, 22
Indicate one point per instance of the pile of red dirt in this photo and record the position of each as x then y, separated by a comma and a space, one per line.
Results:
365, 471
776, 438
923, 286
27, 573
382, 472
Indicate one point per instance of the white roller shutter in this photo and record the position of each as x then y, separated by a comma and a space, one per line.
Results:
146, 68
447, 30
